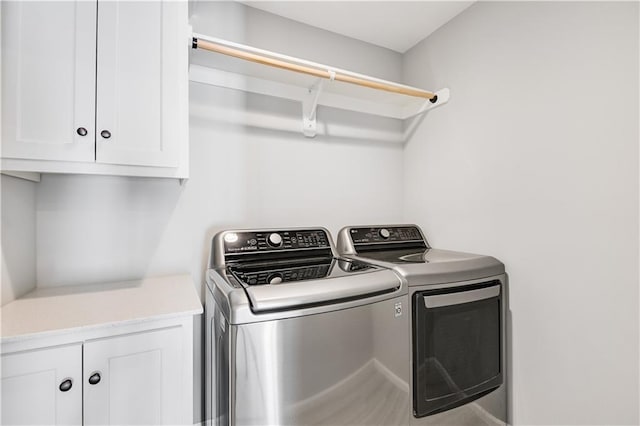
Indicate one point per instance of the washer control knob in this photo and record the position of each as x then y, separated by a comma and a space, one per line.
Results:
384, 233
275, 279
274, 240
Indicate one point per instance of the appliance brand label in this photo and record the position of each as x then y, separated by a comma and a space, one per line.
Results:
397, 310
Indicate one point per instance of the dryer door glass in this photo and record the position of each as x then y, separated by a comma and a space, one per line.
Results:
457, 346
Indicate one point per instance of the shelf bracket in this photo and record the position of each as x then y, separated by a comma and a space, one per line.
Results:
309, 108
441, 98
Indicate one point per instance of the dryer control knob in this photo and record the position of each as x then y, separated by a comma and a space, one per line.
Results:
274, 240
384, 233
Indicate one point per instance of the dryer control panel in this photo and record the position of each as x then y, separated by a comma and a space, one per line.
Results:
386, 234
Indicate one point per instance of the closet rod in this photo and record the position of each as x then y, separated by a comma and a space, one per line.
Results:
322, 73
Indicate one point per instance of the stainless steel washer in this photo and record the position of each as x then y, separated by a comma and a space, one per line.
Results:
458, 308
297, 336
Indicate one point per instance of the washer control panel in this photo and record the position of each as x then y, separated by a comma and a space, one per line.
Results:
385, 234
274, 240
278, 276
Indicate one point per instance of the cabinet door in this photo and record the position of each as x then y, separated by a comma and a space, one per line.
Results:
48, 80
141, 58
34, 391
137, 379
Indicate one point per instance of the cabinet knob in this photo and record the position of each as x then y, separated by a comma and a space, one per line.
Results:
82, 131
65, 385
105, 134
94, 379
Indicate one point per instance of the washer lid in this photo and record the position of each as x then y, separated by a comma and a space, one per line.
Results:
278, 287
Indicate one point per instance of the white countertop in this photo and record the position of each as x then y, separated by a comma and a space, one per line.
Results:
47, 311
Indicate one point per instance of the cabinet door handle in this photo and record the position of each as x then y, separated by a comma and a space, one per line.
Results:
94, 379
65, 385
105, 134
82, 131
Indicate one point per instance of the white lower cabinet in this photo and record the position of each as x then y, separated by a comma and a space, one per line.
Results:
42, 387
137, 378
134, 379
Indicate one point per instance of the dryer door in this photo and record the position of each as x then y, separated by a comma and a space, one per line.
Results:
456, 346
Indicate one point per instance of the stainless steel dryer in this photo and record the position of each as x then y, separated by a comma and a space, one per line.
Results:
458, 309
298, 336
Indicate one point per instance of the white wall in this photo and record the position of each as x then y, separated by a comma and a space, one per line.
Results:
95, 228
535, 161
17, 237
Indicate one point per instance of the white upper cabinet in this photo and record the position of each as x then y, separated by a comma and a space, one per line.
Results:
48, 80
137, 82
95, 87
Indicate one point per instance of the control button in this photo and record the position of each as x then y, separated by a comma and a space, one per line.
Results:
384, 233
231, 237
275, 240
275, 279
